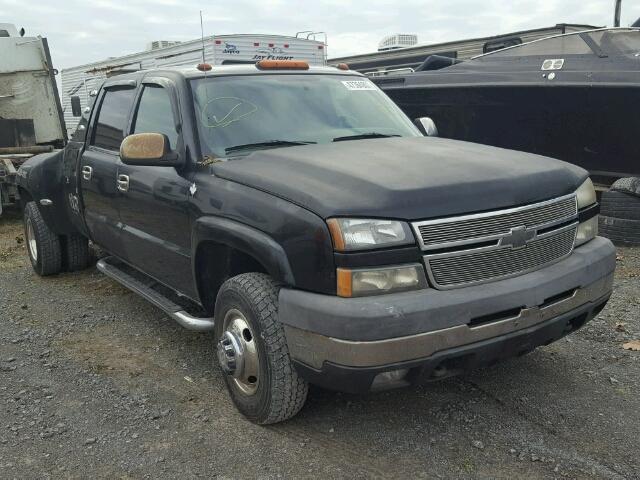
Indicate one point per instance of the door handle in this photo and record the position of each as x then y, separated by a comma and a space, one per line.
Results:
87, 171
123, 183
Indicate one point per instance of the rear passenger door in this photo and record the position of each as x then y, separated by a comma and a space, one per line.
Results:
99, 166
154, 206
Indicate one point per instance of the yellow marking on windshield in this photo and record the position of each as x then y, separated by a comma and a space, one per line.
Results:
228, 118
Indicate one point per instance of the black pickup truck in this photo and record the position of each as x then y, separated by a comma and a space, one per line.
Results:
321, 235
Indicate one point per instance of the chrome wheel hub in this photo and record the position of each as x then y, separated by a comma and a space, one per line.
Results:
237, 352
31, 241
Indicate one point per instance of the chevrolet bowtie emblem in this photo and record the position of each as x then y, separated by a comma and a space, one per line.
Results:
518, 237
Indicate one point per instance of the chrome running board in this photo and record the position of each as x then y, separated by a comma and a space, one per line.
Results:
109, 266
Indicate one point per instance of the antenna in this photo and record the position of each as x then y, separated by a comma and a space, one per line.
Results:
616, 14
202, 36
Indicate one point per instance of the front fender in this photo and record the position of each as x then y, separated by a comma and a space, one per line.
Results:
248, 240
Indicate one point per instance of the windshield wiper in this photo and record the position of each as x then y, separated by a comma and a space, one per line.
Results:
267, 144
361, 136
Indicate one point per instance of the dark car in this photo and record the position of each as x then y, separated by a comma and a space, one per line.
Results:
302, 217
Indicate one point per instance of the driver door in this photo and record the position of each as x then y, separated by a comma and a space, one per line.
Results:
153, 201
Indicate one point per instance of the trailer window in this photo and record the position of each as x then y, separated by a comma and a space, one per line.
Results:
560, 45
495, 45
155, 114
112, 118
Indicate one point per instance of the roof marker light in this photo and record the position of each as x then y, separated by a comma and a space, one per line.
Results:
204, 67
282, 65
342, 66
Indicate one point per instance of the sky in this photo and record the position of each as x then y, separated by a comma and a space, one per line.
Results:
85, 31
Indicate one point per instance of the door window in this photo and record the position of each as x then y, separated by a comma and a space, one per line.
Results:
155, 114
112, 118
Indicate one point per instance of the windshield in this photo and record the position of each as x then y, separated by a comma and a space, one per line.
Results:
617, 42
599, 42
244, 113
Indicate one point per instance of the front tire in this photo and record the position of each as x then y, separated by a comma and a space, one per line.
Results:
252, 350
43, 246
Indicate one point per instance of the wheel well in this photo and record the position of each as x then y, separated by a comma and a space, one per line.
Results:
216, 263
25, 197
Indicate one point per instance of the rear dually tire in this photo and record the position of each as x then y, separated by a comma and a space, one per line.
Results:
77, 253
43, 246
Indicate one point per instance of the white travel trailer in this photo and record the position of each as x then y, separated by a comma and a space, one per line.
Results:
218, 50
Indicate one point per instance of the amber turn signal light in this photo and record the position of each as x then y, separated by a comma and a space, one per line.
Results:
204, 67
344, 283
282, 65
336, 234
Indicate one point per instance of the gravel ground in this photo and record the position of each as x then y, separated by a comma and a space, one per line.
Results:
95, 382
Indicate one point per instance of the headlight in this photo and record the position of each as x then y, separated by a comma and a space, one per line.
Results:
587, 230
361, 234
586, 197
586, 194
377, 281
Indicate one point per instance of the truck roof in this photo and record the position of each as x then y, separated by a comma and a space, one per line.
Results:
225, 70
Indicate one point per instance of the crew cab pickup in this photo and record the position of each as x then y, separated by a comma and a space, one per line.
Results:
321, 235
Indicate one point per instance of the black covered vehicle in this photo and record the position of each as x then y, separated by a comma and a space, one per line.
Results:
302, 217
573, 97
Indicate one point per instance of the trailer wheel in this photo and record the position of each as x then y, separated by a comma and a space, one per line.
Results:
43, 246
620, 205
252, 350
621, 231
77, 252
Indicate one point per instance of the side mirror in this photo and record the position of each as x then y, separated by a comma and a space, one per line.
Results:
148, 149
76, 108
427, 126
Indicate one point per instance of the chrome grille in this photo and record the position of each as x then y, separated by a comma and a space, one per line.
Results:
448, 232
481, 265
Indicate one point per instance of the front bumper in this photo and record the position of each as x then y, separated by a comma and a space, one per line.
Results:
345, 343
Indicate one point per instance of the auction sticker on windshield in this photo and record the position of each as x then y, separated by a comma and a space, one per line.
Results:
358, 84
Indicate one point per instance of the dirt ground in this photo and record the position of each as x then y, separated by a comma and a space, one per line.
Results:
95, 382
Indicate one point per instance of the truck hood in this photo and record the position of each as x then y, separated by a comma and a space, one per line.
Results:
403, 178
